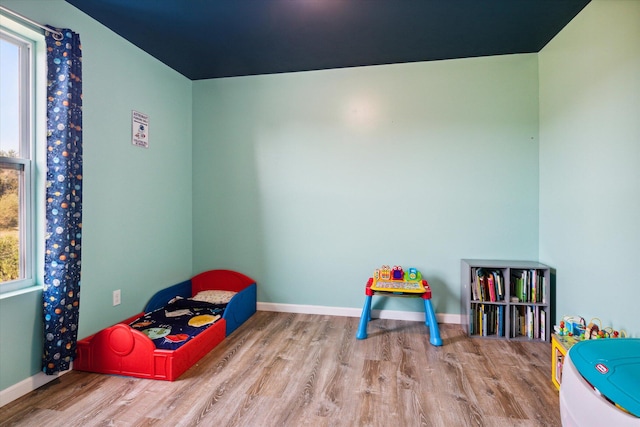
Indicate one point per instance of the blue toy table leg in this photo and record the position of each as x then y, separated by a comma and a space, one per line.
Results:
364, 319
432, 323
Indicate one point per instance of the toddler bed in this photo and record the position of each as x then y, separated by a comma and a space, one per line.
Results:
179, 325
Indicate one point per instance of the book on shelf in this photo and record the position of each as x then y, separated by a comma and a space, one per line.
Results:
487, 320
491, 286
487, 285
518, 287
507, 299
474, 287
534, 282
528, 286
528, 321
484, 324
472, 316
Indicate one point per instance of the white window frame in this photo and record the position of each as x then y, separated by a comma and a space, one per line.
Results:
32, 131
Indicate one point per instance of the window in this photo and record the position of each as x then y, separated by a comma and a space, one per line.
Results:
16, 160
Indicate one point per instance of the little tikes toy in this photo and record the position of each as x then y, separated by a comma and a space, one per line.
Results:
600, 384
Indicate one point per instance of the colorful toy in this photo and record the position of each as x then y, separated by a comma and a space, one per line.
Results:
397, 280
599, 384
563, 329
576, 326
591, 331
397, 273
571, 326
609, 332
384, 273
399, 283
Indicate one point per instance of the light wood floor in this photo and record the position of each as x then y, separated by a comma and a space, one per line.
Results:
282, 369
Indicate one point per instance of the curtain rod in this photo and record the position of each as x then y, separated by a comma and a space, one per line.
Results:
56, 34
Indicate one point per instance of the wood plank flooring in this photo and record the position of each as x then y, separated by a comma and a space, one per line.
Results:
284, 369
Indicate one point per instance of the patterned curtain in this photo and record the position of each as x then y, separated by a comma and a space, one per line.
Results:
63, 201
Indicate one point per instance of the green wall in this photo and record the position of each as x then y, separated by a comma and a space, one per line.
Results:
137, 202
590, 163
309, 181
21, 336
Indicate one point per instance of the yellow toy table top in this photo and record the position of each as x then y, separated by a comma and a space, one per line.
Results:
412, 286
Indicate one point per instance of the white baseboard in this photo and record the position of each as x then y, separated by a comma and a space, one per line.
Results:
25, 386
38, 380
416, 316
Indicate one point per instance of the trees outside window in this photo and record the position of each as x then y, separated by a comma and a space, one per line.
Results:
16, 148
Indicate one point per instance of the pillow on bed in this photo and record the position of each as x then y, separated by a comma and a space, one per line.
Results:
214, 296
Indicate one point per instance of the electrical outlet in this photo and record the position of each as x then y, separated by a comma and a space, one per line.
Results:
116, 297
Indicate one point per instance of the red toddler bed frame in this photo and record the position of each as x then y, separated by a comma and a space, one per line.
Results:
123, 350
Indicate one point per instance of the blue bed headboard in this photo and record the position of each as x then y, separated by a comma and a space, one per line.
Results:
160, 298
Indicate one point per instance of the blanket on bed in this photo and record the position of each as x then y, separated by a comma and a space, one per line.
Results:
178, 322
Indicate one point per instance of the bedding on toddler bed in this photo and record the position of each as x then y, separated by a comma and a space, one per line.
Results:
181, 319
209, 307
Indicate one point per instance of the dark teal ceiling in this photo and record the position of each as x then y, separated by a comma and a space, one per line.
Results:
221, 38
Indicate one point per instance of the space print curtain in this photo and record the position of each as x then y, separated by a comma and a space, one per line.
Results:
63, 200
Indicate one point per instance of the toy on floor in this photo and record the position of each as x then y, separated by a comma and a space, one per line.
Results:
600, 384
397, 282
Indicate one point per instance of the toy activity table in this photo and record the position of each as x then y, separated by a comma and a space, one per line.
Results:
406, 289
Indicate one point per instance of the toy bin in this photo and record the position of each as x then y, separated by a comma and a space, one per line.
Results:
601, 384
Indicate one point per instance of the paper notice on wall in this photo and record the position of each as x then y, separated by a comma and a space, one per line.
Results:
139, 129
